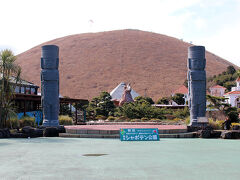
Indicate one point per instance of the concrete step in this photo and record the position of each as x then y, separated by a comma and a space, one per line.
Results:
67, 135
179, 135
109, 132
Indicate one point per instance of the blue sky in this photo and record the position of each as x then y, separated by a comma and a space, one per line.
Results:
208, 18
212, 23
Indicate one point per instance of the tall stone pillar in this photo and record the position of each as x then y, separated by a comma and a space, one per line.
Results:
50, 85
196, 83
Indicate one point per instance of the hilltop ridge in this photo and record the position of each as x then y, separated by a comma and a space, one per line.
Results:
95, 62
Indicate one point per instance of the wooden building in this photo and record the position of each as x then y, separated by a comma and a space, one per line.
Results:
27, 99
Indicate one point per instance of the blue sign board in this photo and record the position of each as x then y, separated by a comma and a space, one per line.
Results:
139, 134
36, 114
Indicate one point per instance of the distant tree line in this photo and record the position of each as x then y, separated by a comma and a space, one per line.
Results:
102, 106
177, 98
226, 78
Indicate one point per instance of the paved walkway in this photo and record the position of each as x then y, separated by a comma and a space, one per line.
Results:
117, 127
167, 159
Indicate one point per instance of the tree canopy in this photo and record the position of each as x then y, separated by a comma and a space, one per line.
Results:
179, 98
142, 99
163, 100
101, 105
220, 104
226, 78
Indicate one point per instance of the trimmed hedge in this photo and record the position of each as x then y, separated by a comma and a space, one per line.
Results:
65, 120
27, 121
13, 123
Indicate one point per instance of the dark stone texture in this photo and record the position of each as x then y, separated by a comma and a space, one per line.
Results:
235, 134
226, 135
32, 132
216, 134
205, 134
208, 132
193, 128
19, 135
198, 128
51, 132
28, 130
209, 128
61, 129
196, 83
38, 132
4, 133
50, 85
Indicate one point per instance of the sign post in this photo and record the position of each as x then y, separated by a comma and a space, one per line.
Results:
139, 134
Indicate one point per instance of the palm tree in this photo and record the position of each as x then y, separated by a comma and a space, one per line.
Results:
9, 78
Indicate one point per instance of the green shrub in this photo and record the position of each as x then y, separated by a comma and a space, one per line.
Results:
144, 119
181, 113
122, 118
65, 120
177, 119
155, 120
187, 120
163, 100
111, 118
216, 124
127, 120
135, 120
101, 117
140, 109
101, 105
178, 98
13, 123
27, 121
141, 99
118, 120
170, 116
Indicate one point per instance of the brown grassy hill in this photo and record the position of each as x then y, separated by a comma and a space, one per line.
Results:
95, 62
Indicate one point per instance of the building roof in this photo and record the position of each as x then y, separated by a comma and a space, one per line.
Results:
181, 90
238, 79
118, 91
217, 86
233, 92
21, 81
34, 97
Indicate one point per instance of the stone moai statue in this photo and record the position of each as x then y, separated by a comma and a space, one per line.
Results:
196, 83
50, 85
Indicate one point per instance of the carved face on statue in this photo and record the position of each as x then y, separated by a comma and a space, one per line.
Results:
49, 63
196, 64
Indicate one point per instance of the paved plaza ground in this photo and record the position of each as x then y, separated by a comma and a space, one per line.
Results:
167, 159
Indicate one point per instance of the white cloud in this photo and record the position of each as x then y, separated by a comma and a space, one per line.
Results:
200, 23
30, 23
225, 44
